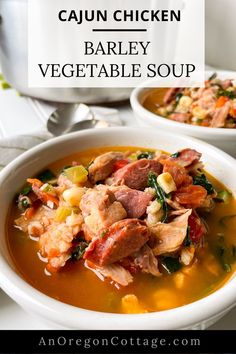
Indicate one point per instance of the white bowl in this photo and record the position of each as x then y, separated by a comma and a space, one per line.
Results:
199, 314
225, 139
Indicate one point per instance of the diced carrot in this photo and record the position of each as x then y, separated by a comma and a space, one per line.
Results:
191, 196
221, 101
29, 213
178, 173
35, 181
46, 197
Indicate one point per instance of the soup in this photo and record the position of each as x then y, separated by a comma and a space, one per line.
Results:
124, 230
212, 106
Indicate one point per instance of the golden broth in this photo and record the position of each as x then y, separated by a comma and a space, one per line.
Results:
153, 99
78, 286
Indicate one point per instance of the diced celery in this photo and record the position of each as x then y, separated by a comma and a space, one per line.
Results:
62, 213
77, 174
48, 188
224, 196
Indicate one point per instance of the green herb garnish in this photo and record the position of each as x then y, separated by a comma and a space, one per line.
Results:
160, 194
213, 77
175, 155
79, 251
223, 196
145, 155
231, 95
26, 190
201, 180
187, 240
46, 176
170, 264
24, 203
178, 97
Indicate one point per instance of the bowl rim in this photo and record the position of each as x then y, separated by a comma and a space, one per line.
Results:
186, 128
14, 285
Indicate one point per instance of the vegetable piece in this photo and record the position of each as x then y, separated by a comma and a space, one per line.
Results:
231, 95
130, 304
170, 264
26, 190
177, 99
46, 176
187, 241
29, 213
46, 198
73, 196
160, 194
199, 113
24, 203
166, 182
175, 155
224, 196
35, 181
196, 229
62, 213
221, 101
178, 173
201, 180
48, 188
77, 174
119, 164
184, 104
221, 252
146, 155
69, 166
213, 76
79, 251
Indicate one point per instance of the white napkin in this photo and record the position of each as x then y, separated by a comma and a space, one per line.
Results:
14, 146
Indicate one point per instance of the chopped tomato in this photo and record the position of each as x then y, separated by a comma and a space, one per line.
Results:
119, 164
221, 101
45, 197
35, 181
178, 173
197, 229
29, 213
191, 196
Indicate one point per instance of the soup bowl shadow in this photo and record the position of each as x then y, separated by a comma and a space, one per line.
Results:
197, 315
222, 138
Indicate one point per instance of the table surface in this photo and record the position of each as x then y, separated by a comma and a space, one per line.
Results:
23, 115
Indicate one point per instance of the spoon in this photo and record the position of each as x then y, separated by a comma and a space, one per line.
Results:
73, 117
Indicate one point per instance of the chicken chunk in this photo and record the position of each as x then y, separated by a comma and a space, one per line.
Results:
170, 237
103, 165
100, 209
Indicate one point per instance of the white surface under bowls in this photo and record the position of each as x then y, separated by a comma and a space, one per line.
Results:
225, 139
199, 314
